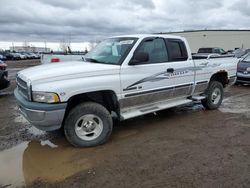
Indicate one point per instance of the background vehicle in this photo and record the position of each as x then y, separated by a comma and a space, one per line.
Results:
211, 51
123, 77
239, 53
4, 82
33, 55
8, 55
2, 58
243, 71
28, 55
16, 56
21, 56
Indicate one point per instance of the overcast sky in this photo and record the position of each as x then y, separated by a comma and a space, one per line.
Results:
85, 20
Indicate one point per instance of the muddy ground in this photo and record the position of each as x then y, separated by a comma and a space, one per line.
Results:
180, 147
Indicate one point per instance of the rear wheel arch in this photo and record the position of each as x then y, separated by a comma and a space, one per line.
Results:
221, 76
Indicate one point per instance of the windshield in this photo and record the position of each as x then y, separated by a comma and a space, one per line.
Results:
246, 59
111, 51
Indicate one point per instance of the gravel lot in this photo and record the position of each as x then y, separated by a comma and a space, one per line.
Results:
180, 147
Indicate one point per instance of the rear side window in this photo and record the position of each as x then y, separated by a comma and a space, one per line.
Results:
177, 50
216, 50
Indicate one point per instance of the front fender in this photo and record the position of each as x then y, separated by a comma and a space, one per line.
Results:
71, 87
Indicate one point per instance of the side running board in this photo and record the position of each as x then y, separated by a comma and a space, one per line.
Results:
146, 109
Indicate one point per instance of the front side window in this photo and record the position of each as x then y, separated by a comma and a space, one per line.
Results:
156, 50
222, 51
111, 51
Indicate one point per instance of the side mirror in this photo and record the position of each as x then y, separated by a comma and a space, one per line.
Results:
139, 57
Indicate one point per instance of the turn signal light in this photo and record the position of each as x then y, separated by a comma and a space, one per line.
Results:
55, 60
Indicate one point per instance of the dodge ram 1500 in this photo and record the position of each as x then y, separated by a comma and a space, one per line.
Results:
123, 77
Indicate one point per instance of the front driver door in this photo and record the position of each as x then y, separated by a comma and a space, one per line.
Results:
147, 82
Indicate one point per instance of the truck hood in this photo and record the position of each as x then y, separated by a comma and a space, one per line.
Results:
67, 70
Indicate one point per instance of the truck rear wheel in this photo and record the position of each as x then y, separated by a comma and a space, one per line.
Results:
88, 124
214, 97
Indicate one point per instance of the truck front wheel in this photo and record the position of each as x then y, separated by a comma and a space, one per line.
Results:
88, 124
214, 95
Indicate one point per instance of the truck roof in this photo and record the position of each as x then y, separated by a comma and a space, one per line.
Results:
149, 35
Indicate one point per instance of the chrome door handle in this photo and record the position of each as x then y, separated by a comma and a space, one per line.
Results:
170, 70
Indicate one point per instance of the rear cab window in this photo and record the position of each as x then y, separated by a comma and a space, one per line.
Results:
177, 50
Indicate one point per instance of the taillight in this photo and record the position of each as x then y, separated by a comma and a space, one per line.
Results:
55, 60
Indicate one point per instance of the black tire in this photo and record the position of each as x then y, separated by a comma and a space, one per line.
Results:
209, 102
237, 83
85, 109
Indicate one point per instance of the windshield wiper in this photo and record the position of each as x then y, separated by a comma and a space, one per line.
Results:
93, 60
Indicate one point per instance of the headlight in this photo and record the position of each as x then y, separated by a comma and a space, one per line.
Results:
45, 97
248, 69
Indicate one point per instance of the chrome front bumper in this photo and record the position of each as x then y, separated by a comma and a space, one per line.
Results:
47, 117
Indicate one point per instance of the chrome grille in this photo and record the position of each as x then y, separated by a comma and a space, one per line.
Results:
22, 87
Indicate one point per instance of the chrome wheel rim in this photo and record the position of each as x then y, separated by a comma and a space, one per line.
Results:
88, 127
216, 96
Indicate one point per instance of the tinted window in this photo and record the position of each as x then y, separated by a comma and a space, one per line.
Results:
205, 50
156, 49
177, 50
217, 51
222, 51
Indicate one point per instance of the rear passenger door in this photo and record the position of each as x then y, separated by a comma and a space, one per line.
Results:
182, 65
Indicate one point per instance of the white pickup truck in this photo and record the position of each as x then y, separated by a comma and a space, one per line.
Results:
123, 77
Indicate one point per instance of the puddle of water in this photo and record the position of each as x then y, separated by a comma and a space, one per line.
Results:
50, 163
239, 104
49, 143
45, 160
11, 166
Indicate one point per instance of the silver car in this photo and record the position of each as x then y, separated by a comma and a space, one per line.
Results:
243, 71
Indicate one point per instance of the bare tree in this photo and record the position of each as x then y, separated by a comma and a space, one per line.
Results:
93, 44
64, 46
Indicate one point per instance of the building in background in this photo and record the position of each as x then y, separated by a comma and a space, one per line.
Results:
30, 49
226, 39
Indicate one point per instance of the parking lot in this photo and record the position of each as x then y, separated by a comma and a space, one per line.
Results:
181, 147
